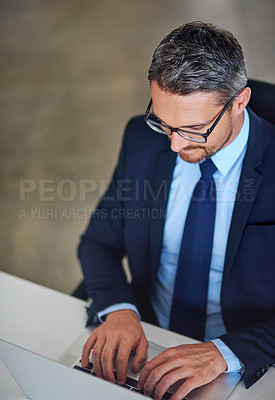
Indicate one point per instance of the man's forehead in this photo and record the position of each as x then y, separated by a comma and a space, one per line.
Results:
201, 97
190, 109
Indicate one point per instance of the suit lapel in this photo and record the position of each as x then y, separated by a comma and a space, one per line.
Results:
163, 177
249, 185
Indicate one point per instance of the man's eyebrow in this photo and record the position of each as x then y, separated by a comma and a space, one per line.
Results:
185, 126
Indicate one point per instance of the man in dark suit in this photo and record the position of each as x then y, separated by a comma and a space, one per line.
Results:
196, 224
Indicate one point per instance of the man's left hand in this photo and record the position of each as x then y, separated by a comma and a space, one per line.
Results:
198, 364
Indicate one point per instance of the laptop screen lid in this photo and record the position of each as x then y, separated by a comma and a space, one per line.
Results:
40, 378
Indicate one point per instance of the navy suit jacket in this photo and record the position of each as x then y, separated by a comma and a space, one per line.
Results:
129, 220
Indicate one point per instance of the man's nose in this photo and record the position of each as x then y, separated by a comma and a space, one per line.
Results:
177, 142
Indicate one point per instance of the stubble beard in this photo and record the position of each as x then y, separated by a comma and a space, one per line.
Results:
205, 152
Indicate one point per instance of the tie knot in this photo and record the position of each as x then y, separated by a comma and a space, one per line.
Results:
207, 169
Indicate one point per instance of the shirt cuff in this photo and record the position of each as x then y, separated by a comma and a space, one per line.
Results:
233, 363
116, 307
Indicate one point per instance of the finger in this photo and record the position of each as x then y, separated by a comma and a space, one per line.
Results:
107, 357
87, 350
122, 360
161, 378
184, 389
168, 380
147, 369
140, 355
96, 356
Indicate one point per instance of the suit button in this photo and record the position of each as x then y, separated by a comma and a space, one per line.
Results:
259, 373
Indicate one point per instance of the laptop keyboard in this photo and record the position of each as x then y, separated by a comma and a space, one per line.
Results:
130, 384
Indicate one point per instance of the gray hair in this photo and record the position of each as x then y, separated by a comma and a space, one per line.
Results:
199, 56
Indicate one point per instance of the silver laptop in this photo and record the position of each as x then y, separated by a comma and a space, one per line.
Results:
40, 378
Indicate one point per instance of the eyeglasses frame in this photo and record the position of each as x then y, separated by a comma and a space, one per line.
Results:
179, 131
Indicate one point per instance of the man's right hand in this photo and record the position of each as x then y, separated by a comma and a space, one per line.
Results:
121, 331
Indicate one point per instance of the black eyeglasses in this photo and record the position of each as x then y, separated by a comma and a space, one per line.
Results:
155, 124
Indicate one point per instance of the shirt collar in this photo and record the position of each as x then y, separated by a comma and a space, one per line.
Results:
225, 158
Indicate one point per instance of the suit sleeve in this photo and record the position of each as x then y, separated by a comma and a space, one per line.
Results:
254, 346
250, 287
101, 248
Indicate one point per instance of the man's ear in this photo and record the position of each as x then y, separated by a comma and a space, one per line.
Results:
242, 100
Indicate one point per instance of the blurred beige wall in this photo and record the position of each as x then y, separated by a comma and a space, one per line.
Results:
72, 74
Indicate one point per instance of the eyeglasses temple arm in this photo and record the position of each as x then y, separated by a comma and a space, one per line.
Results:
221, 114
148, 108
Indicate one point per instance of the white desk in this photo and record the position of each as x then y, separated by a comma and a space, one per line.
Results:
46, 322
